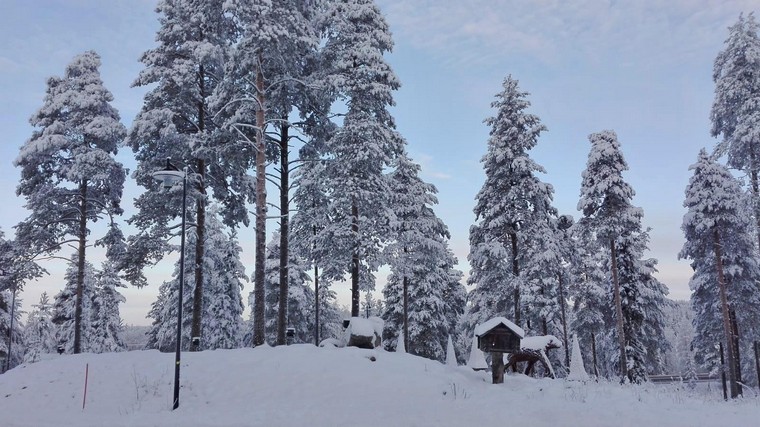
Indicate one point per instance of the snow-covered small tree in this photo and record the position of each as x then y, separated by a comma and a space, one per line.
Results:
69, 175
422, 291
451, 356
65, 307
300, 302
577, 370
221, 325
40, 332
717, 230
106, 321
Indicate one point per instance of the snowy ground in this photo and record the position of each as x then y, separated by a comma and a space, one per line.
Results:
303, 385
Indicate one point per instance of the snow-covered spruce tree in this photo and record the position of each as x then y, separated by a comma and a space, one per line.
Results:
610, 217
221, 325
65, 307
68, 173
511, 201
106, 321
300, 303
643, 303
734, 113
176, 122
717, 230
40, 332
679, 333
310, 217
543, 267
422, 263
356, 38
591, 309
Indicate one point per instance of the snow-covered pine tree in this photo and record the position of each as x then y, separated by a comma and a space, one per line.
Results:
511, 200
734, 115
422, 267
65, 307
40, 332
356, 38
717, 230
176, 122
266, 82
69, 176
608, 214
106, 321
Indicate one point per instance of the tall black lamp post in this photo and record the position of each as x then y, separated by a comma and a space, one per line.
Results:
170, 177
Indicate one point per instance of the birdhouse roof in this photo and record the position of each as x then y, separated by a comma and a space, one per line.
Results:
484, 328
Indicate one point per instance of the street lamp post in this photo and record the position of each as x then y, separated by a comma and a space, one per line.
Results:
169, 177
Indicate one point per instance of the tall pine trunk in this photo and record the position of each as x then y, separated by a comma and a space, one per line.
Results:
618, 312
316, 304
406, 313
564, 320
200, 219
355, 260
727, 330
282, 311
82, 234
515, 272
261, 213
200, 232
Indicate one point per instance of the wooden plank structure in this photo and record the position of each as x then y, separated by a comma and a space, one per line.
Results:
665, 379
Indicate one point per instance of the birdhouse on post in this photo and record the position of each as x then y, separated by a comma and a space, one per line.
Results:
498, 336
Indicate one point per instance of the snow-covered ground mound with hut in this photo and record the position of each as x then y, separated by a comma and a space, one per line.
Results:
302, 385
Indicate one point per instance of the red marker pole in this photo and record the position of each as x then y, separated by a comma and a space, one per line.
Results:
86, 374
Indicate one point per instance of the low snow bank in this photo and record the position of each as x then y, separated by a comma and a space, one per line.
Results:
304, 385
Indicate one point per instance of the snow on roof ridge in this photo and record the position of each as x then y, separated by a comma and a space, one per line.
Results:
487, 326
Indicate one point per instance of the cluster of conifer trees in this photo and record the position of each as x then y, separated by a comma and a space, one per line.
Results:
293, 96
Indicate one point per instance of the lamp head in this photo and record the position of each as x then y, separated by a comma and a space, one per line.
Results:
169, 176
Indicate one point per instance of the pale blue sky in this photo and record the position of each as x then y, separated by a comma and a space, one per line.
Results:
640, 67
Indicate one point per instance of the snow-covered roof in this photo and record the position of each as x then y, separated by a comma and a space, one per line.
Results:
487, 326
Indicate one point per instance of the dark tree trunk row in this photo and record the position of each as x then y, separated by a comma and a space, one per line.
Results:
82, 235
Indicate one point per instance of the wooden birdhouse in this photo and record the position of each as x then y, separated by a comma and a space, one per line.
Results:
499, 335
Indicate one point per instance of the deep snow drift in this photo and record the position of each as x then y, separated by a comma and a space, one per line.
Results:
303, 385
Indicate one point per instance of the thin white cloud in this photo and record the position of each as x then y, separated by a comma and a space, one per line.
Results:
551, 31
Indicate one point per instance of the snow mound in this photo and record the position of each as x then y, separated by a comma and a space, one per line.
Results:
302, 385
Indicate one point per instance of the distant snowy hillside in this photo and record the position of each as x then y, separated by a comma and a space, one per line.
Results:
302, 385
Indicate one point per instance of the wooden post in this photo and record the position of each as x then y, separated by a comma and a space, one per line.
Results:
497, 367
